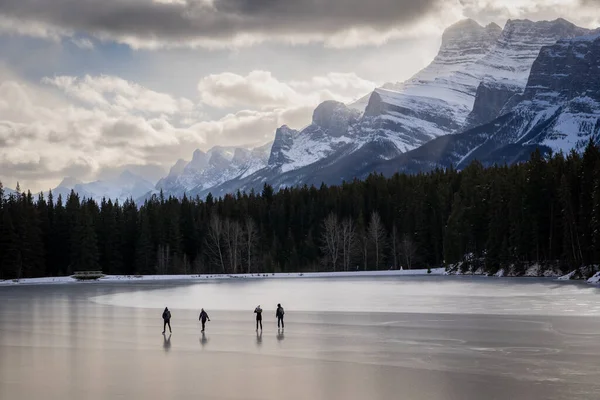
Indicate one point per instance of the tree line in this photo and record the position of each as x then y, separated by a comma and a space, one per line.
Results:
545, 211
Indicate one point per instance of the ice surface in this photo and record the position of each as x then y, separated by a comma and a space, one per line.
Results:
57, 344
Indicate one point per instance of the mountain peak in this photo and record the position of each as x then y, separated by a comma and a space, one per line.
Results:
334, 117
69, 182
494, 27
463, 24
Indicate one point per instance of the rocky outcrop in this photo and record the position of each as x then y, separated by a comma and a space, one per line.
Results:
334, 117
559, 111
490, 100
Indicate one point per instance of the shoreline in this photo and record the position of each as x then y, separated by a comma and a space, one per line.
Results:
208, 277
595, 280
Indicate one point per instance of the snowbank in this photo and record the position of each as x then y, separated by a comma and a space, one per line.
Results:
147, 278
594, 280
567, 277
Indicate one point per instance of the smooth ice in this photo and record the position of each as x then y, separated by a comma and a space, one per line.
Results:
355, 338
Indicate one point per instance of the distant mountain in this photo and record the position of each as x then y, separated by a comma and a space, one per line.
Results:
212, 168
558, 111
125, 186
8, 192
478, 74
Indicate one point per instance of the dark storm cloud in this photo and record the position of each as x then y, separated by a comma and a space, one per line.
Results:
197, 19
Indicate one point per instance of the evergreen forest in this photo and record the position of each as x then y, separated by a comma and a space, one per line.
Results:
544, 211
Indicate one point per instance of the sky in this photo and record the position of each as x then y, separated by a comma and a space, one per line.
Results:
89, 88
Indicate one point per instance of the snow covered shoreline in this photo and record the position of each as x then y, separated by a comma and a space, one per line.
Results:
531, 273
192, 278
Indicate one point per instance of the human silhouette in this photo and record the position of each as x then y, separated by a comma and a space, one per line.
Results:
166, 315
203, 318
258, 311
279, 315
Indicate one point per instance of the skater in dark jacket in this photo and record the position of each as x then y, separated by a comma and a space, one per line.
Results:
203, 318
279, 314
258, 312
166, 315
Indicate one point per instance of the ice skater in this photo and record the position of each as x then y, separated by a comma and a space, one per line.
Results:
258, 312
203, 318
279, 314
166, 315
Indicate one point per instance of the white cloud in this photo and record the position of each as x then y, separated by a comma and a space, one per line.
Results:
260, 89
83, 43
119, 95
106, 122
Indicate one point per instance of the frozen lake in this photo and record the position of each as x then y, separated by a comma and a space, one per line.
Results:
353, 338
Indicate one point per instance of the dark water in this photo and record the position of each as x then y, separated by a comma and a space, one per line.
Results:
402, 338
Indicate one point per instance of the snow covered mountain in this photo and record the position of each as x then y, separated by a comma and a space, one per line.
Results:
558, 111
8, 192
477, 73
125, 186
212, 168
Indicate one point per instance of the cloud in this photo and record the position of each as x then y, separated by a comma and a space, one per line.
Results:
260, 89
215, 23
580, 12
83, 43
119, 95
88, 126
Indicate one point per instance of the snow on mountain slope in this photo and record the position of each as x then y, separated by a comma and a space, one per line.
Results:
327, 134
478, 74
8, 192
558, 111
125, 186
212, 168
504, 64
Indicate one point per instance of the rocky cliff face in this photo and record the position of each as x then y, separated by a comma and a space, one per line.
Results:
490, 100
559, 111
479, 75
212, 168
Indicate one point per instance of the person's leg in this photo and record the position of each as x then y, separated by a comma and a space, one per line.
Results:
256, 323
278, 321
203, 322
164, 326
261, 324
282, 324
169, 322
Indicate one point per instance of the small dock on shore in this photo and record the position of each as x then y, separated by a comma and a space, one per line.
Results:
87, 275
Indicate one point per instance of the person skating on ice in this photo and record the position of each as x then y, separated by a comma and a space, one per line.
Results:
258, 312
279, 315
203, 318
166, 315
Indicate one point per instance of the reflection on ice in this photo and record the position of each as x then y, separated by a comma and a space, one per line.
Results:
345, 339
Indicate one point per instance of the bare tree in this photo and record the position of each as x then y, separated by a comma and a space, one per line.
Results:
214, 241
232, 231
377, 235
163, 259
395, 246
331, 239
348, 236
408, 250
185, 263
250, 240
